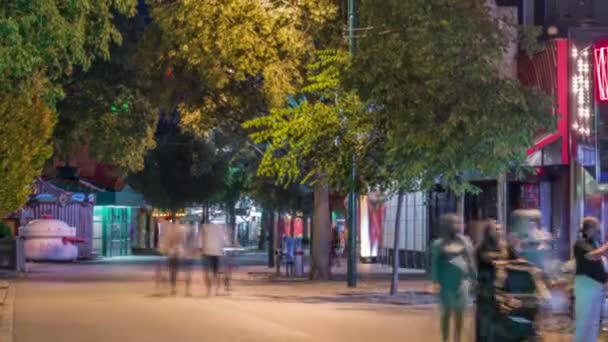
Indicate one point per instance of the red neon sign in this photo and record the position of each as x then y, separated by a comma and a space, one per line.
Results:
600, 52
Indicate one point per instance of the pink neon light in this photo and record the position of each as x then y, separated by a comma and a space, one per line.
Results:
601, 71
563, 47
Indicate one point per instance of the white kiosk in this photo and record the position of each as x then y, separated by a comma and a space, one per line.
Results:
49, 240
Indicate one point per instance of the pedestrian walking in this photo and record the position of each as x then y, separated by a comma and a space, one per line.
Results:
213, 241
535, 242
489, 250
191, 253
589, 281
174, 236
336, 246
453, 271
230, 264
520, 291
161, 267
289, 254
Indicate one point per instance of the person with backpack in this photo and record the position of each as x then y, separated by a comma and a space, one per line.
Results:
453, 271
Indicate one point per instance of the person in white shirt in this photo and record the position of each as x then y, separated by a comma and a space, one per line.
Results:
213, 238
174, 245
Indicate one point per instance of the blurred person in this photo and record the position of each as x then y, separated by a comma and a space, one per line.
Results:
453, 270
174, 245
191, 253
519, 291
161, 266
230, 260
589, 280
213, 238
289, 250
534, 244
335, 247
489, 250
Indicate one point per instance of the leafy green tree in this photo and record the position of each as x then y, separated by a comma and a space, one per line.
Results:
51, 38
107, 108
422, 100
315, 141
223, 62
446, 108
42, 42
235, 184
27, 125
181, 171
5, 230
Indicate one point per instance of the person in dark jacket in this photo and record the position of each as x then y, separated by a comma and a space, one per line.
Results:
490, 250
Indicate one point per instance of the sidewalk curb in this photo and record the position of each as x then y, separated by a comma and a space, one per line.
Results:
8, 310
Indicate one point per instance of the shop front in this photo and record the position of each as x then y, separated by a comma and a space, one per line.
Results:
67, 200
116, 222
589, 79
547, 185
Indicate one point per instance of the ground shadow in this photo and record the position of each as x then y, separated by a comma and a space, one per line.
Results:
409, 298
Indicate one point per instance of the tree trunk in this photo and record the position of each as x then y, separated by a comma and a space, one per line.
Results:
230, 211
292, 228
311, 248
501, 199
206, 212
460, 208
262, 238
397, 237
270, 228
276, 242
320, 269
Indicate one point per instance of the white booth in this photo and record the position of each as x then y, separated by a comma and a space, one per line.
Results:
49, 240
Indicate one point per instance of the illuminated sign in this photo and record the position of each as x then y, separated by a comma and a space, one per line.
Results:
601, 71
582, 92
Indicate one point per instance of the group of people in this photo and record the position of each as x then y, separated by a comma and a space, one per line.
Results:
183, 244
509, 278
508, 287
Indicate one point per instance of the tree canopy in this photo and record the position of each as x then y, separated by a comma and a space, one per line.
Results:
180, 172
50, 38
447, 108
40, 43
107, 107
27, 125
223, 62
317, 136
421, 101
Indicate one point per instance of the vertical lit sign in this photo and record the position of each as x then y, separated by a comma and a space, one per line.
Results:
601, 71
582, 92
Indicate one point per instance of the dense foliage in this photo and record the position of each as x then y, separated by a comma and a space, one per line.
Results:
41, 42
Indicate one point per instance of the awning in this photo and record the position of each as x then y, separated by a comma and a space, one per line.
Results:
547, 155
125, 198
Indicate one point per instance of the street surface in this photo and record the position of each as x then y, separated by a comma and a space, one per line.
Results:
118, 301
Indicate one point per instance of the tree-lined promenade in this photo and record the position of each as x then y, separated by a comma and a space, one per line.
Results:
204, 102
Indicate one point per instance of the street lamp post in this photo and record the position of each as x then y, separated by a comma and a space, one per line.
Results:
351, 275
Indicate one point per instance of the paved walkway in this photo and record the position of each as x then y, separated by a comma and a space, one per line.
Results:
7, 300
119, 302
